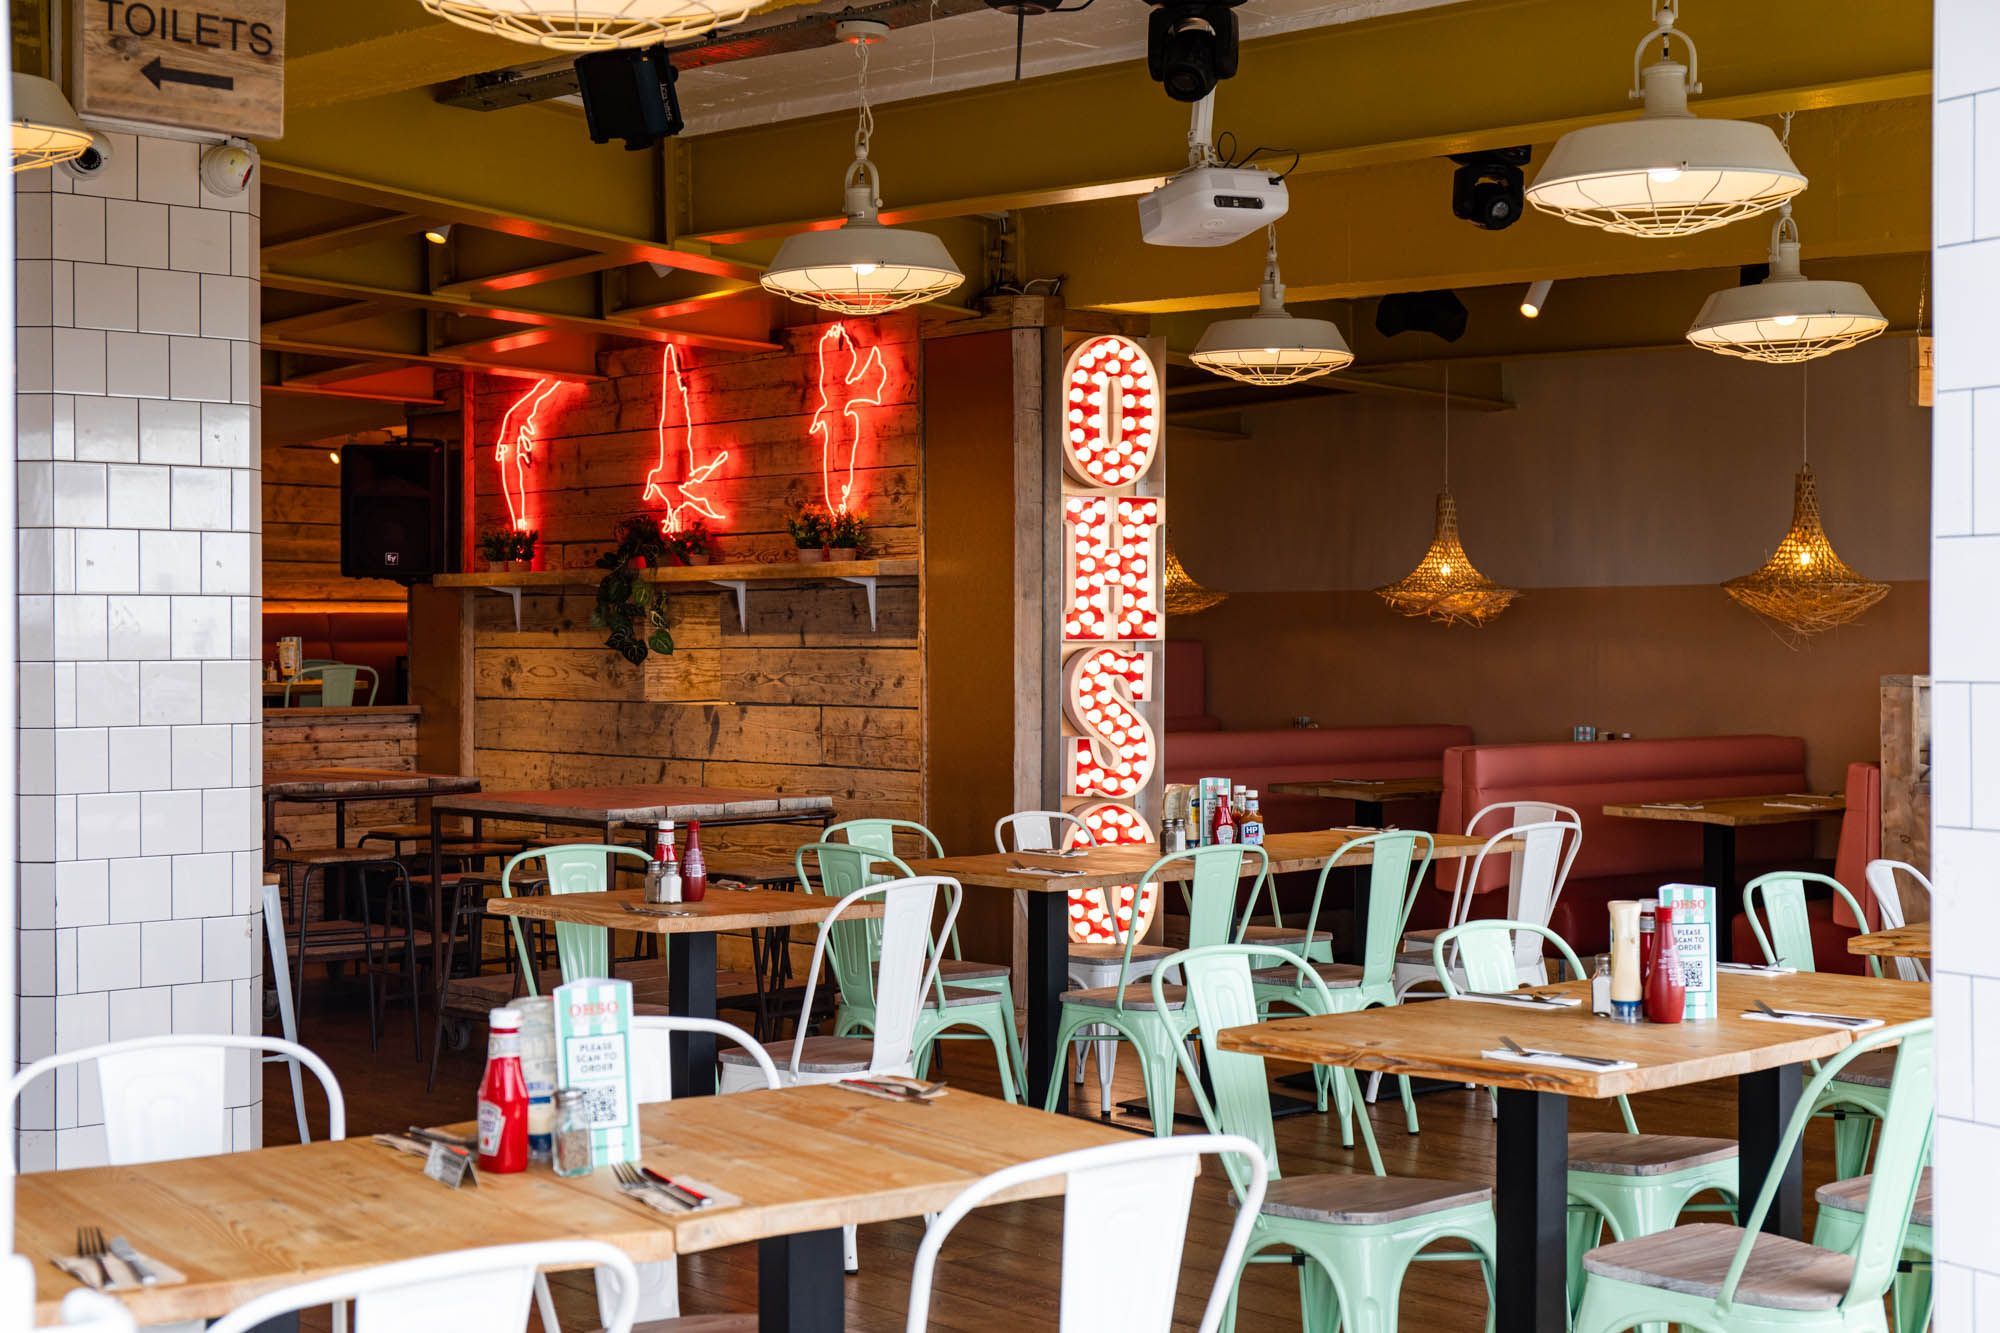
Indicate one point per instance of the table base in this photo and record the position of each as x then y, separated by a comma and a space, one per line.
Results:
800, 1283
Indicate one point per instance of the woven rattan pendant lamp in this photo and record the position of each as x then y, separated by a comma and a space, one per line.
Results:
1805, 588
1184, 596
1445, 586
592, 25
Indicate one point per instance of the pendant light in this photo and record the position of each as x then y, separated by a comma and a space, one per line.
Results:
1805, 588
592, 25
1444, 586
1184, 596
1668, 172
1271, 346
862, 267
1787, 317
46, 130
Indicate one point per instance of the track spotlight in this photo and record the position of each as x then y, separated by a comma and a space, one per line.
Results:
1191, 46
1441, 313
1537, 297
438, 233
1487, 189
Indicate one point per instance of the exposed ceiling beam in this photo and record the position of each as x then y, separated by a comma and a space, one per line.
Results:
697, 304
312, 243
305, 348
331, 317
340, 374
534, 275
359, 395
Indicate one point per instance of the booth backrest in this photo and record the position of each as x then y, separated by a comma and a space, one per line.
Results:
366, 638
1860, 843
1261, 758
1187, 687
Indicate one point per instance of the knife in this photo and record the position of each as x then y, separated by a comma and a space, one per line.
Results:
1845, 1020
1519, 1049
123, 1249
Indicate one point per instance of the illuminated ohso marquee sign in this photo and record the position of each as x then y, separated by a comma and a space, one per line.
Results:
1111, 429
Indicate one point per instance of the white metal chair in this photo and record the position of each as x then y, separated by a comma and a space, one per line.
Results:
486, 1289
1551, 836
92, 1312
1133, 1196
288, 1014
1881, 876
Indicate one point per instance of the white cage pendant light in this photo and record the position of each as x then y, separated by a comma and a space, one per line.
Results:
1668, 172
862, 267
1787, 317
1271, 346
46, 130
592, 25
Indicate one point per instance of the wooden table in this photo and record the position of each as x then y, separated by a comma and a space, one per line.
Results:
276, 688
1720, 817
805, 1161
1109, 867
1443, 1039
1911, 941
690, 929
1368, 794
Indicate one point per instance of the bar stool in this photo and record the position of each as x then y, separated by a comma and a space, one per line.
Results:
365, 942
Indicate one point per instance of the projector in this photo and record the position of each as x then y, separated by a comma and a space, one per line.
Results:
1212, 206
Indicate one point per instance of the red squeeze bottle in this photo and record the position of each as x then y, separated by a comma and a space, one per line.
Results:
1225, 823
1666, 989
694, 870
503, 1098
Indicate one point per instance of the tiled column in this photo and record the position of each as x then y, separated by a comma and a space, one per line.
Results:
140, 571
1965, 661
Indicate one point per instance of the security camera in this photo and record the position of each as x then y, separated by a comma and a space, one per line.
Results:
1191, 46
1487, 188
226, 167
91, 161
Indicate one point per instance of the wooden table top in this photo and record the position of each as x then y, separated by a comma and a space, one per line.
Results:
609, 805
1734, 811
1911, 941
719, 910
311, 683
1105, 867
801, 1159
1363, 789
1443, 1039
309, 784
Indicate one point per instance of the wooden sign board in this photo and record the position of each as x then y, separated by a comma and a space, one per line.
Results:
215, 65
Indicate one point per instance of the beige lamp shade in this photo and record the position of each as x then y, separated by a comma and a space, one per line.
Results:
1271, 346
1787, 317
862, 267
592, 25
46, 130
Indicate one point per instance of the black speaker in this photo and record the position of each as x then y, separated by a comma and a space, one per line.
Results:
629, 95
392, 511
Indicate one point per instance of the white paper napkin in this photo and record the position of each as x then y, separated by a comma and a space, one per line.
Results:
1556, 1060
1518, 1002
1051, 872
1807, 1021
1756, 969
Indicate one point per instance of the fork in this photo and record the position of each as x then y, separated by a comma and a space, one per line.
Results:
1845, 1020
90, 1245
1518, 1049
632, 1181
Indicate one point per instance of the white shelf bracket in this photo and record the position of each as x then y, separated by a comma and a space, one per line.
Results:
741, 588
868, 582
513, 595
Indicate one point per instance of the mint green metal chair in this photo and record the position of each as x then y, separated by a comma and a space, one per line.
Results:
1636, 1184
1394, 875
1843, 1204
1854, 1101
880, 835
854, 951
1156, 1022
1721, 1279
336, 685
1357, 1233
575, 867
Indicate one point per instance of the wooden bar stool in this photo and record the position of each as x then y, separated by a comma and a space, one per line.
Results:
366, 942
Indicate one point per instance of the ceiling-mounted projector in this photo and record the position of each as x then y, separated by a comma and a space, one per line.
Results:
1212, 206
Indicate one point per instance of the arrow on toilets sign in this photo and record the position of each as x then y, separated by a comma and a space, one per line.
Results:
214, 65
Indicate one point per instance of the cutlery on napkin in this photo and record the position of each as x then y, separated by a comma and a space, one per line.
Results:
1808, 1018
1593, 1064
1526, 999
1757, 969
894, 1088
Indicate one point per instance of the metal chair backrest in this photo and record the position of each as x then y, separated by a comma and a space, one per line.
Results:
92, 1312
574, 867
1536, 873
1902, 1145
1041, 831
880, 834
1510, 814
336, 686
907, 968
1134, 1195
1210, 898
1779, 900
1881, 876
486, 1289
167, 1097
652, 1069
1223, 995
1394, 876
854, 947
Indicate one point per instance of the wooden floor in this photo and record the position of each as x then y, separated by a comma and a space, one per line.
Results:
1000, 1268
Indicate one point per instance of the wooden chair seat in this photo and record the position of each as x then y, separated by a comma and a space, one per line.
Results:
453, 831
964, 969
821, 1055
956, 997
1783, 1274
521, 884
1282, 937
1364, 1200
1872, 1069
1109, 955
1337, 976
330, 856
1851, 1196
1609, 1153
698, 1323
1138, 995
1420, 941
475, 997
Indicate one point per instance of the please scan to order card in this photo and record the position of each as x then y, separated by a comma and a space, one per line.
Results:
594, 1057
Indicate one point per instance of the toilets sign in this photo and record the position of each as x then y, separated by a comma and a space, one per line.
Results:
216, 65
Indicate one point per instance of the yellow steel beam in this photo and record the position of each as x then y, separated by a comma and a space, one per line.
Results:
1421, 84
434, 358
534, 275
331, 317
360, 395
327, 240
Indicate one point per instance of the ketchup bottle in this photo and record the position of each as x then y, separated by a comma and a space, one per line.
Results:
1224, 831
1666, 989
503, 1098
694, 871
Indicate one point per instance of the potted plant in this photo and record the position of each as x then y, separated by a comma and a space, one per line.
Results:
521, 551
843, 536
809, 529
631, 611
640, 543
508, 551
693, 544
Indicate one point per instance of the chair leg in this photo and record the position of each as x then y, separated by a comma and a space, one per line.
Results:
1409, 1104
1107, 1069
545, 1305
1161, 1071
1853, 1139
850, 1250
410, 964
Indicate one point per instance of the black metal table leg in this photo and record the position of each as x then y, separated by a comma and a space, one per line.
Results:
1531, 1195
691, 994
1765, 1102
1048, 976
1718, 867
1368, 814
800, 1283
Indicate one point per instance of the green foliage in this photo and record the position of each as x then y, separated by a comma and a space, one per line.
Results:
811, 526
846, 530
632, 612
502, 544
694, 539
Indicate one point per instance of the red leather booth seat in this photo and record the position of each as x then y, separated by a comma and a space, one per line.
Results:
366, 638
1621, 858
1860, 842
1259, 759
1187, 688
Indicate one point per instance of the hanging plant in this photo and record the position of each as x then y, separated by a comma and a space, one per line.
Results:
631, 611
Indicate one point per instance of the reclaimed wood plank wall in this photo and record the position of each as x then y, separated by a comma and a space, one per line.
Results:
339, 737
302, 536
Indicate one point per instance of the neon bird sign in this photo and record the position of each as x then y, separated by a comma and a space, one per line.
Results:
687, 494
835, 422
514, 450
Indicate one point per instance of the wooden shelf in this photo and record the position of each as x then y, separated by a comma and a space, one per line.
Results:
735, 578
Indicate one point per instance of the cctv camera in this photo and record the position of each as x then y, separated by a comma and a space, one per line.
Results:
1191, 46
92, 160
1486, 190
226, 167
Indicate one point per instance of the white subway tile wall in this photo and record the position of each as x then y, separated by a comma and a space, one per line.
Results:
141, 741
1965, 662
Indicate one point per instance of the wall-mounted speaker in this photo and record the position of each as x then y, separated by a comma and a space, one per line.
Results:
629, 95
392, 511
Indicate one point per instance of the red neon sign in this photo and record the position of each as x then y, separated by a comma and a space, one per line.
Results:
686, 493
860, 382
514, 450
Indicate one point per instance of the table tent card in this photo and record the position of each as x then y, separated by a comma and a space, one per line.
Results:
594, 1047
1694, 936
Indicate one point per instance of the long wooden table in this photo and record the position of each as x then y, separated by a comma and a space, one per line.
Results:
1444, 1039
690, 930
1720, 817
1109, 867
805, 1161
1911, 941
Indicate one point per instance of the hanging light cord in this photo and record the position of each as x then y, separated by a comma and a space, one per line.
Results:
1447, 425
1805, 410
866, 126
